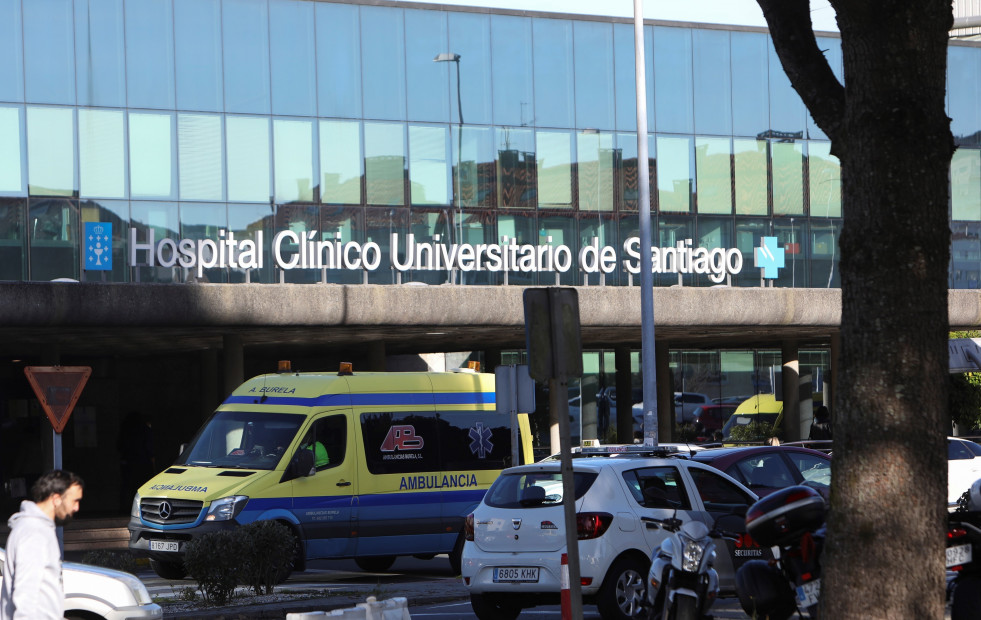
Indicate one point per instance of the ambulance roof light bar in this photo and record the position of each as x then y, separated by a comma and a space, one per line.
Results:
346, 368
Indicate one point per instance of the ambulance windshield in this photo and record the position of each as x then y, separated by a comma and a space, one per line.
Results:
242, 439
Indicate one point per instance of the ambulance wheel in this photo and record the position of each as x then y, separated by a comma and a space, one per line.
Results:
168, 570
486, 607
375, 564
456, 556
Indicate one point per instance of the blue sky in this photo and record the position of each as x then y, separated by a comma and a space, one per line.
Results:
734, 12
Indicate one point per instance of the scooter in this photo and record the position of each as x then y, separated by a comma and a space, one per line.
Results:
682, 581
792, 520
964, 555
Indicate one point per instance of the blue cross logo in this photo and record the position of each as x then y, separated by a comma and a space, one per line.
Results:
769, 257
481, 444
98, 246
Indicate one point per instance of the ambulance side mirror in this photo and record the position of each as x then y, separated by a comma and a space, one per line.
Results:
301, 465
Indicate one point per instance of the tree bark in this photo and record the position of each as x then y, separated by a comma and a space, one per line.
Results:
889, 127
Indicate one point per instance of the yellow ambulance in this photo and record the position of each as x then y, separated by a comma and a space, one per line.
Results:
367, 466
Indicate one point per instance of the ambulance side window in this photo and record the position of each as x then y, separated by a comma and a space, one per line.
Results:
327, 438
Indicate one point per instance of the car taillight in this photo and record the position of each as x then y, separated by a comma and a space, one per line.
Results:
592, 524
956, 532
468, 527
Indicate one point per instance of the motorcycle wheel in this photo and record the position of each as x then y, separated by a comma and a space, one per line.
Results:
684, 609
966, 600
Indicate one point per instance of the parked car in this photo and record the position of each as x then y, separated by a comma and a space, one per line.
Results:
763, 408
711, 418
516, 536
95, 592
765, 469
963, 466
685, 404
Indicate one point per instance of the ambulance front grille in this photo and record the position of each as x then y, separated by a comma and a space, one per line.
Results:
168, 511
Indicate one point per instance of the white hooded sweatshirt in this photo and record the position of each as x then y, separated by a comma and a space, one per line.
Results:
32, 586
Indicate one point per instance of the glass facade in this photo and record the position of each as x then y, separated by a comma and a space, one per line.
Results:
352, 123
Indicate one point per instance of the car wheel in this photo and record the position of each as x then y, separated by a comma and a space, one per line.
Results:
488, 608
375, 564
168, 570
966, 600
456, 556
623, 592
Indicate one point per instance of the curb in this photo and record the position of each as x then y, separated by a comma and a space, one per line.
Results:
280, 609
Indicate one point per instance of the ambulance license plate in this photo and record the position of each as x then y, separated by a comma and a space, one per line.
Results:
961, 554
515, 575
165, 545
808, 593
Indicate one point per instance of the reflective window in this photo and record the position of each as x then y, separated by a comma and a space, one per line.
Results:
245, 38
151, 155
595, 106
425, 224
292, 58
965, 255
248, 150
161, 218
301, 220
824, 178
340, 162
562, 230
672, 230
595, 171
786, 108
602, 226
964, 93
383, 71
49, 58
384, 163
629, 173
517, 169
428, 80
476, 180
831, 47
115, 212
713, 175
675, 181
514, 99
751, 187
245, 222
713, 232
11, 150
99, 53
791, 235
555, 95
348, 222
379, 226
293, 157
197, 32
470, 38
786, 162
750, 84
53, 226
554, 169
338, 60
101, 154
429, 174
149, 54
203, 221
965, 185
199, 143
824, 254
522, 227
713, 89
11, 52
13, 240
673, 79
51, 151
748, 235
625, 70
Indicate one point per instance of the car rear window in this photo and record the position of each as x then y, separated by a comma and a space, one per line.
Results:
533, 489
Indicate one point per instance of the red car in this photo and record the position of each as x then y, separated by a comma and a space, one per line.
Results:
766, 469
710, 418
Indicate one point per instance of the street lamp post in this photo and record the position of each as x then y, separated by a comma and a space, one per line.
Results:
455, 58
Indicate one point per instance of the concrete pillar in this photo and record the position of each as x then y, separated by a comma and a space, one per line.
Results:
625, 400
233, 362
209, 382
665, 394
791, 386
376, 356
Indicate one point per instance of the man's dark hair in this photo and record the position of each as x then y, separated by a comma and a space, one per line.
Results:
54, 482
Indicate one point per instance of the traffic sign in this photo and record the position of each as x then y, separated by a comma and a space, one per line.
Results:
58, 389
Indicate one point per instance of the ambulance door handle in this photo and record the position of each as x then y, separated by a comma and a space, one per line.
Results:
343, 484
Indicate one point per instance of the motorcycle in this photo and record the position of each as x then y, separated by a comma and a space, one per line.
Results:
963, 547
682, 581
792, 520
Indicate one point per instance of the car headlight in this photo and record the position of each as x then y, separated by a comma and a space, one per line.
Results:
134, 510
692, 556
226, 508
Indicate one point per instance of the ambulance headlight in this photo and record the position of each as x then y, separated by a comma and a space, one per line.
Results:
134, 510
226, 508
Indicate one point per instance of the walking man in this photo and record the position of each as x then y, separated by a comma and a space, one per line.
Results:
32, 586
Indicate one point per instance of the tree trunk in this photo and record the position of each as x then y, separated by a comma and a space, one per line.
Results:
889, 128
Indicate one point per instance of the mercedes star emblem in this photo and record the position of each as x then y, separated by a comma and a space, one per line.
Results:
164, 510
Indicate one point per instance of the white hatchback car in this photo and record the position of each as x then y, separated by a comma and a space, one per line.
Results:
516, 536
963, 467
96, 592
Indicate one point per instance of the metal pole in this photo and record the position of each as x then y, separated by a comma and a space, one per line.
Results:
558, 393
513, 407
646, 278
459, 159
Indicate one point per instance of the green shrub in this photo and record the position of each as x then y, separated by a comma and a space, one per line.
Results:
111, 559
754, 431
214, 560
268, 549
685, 433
